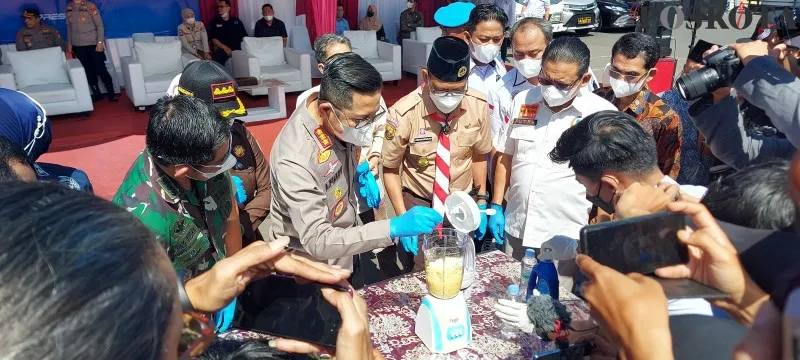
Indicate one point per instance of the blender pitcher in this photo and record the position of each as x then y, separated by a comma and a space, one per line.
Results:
444, 262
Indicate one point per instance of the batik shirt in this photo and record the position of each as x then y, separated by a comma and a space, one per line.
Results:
190, 224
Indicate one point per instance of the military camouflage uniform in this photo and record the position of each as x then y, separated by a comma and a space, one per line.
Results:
40, 37
182, 221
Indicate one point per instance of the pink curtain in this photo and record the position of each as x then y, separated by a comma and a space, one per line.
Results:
324, 16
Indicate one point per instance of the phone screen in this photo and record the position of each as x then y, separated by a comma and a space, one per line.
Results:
279, 306
641, 244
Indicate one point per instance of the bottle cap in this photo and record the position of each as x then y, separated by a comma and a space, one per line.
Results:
513, 290
530, 253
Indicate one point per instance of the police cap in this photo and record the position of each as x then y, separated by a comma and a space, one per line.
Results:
208, 81
453, 15
30, 13
449, 59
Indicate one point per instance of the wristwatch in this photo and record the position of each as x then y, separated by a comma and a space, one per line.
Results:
486, 198
186, 304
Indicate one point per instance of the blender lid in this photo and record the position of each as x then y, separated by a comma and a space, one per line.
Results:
462, 211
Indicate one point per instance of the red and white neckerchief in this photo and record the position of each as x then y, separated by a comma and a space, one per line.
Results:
441, 181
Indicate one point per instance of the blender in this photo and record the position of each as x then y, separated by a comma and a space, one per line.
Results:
443, 321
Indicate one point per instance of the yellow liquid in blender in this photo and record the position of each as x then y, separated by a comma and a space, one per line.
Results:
444, 276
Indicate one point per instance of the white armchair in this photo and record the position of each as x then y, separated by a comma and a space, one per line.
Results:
259, 59
385, 57
151, 67
417, 49
46, 75
299, 40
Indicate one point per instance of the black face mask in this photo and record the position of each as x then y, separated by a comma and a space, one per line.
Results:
370, 14
600, 203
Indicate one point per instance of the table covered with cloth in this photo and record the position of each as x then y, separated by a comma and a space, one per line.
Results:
393, 306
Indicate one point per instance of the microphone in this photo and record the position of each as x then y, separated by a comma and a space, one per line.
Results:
550, 317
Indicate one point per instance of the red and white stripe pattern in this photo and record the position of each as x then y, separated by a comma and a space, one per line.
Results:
441, 181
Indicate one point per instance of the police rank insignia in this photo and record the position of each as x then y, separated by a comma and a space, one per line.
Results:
323, 156
322, 138
338, 210
238, 151
338, 193
222, 91
390, 132
462, 71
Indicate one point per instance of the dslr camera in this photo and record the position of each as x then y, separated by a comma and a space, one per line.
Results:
722, 68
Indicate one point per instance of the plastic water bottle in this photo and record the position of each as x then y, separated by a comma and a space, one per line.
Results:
528, 262
507, 331
544, 278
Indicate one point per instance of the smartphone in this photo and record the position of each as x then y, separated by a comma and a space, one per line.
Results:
640, 244
572, 352
281, 307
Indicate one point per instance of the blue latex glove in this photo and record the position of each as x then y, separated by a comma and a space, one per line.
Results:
480, 232
418, 220
410, 244
497, 224
369, 186
224, 317
241, 194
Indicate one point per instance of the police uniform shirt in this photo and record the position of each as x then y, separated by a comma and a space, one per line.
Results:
193, 38
84, 24
412, 137
313, 196
500, 99
544, 199
486, 77
40, 37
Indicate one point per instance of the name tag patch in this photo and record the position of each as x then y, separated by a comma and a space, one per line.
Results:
525, 121
423, 139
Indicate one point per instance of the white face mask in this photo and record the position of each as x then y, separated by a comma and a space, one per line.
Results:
528, 67
225, 15
228, 164
190, 21
555, 97
446, 103
268, 17
409, 5
623, 88
358, 137
485, 53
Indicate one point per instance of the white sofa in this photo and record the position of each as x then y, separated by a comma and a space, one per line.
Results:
417, 49
260, 58
46, 75
385, 57
147, 78
299, 40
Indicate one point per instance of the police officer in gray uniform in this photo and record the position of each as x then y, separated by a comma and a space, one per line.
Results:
86, 40
35, 35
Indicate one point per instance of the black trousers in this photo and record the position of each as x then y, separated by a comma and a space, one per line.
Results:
220, 56
94, 64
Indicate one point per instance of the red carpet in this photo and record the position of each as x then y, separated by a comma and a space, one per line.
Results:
105, 144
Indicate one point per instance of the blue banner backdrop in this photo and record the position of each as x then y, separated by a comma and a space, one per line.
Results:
120, 17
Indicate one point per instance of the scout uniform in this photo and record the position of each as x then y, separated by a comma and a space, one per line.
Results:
84, 32
414, 128
313, 199
194, 39
189, 224
40, 37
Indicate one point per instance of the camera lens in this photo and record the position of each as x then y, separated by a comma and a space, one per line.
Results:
698, 83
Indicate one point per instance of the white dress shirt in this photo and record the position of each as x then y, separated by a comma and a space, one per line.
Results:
486, 78
544, 199
500, 100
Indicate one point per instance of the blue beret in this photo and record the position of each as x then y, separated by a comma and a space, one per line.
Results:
453, 15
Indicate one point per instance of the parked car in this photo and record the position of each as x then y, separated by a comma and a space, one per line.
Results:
580, 16
617, 14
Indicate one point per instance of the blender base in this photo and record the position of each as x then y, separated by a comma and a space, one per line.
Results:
444, 326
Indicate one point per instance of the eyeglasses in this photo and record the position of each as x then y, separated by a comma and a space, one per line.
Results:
197, 334
443, 93
625, 77
544, 81
363, 122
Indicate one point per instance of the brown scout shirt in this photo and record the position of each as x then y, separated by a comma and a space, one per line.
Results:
252, 167
84, 25
313, 197
412, 137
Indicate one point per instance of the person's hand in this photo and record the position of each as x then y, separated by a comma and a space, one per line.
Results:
69, 48
514, 313
639, 199
207, 56
764, 339
228, 51
632, 307
410, 244
750, 50
601, 348
100, 47
216, 288
353, 340
368, 186
497, 224
480, 232
713, 261
418, 220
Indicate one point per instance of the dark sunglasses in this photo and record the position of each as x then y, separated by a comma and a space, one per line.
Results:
544, 81
196, 336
